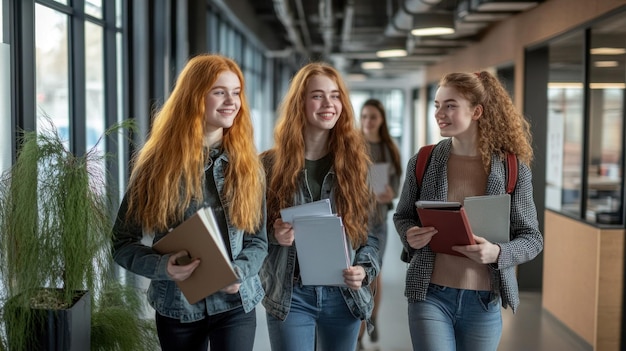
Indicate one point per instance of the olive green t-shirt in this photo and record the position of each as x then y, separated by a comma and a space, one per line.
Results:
316, 171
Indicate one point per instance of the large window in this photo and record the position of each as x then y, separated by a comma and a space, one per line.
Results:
607, 76
5, 93
70, 72
585, 127
565, 124
51, 69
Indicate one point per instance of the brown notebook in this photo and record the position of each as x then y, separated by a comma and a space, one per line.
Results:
450, 220
199, 235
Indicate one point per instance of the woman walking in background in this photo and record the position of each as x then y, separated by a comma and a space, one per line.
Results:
200, 153
455, 301
382, 150
318, 154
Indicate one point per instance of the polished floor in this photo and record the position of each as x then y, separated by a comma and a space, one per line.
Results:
530, 329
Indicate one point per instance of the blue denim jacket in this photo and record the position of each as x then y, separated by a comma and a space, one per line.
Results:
277, 273
248, 251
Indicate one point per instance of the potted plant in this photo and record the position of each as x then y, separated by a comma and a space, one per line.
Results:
55, 237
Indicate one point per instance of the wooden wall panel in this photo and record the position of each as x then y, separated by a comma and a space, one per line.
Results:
583, 273
610, 290
570, 273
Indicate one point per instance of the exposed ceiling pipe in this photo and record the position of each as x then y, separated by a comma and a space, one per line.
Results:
400, 23
346, 29
326, 25
286, 18
303, 25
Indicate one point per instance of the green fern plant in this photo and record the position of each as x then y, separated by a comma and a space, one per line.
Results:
55, 237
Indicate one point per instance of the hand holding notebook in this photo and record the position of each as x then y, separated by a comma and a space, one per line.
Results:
450, 220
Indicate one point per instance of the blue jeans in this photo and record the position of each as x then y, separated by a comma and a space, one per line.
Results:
232, 330
315, 311
454, 319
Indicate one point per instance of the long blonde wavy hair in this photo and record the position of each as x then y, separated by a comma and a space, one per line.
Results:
502, 128
353, 199
168, 171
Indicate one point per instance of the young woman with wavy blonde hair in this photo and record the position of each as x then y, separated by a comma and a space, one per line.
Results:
318, 153
455, 301
200, 153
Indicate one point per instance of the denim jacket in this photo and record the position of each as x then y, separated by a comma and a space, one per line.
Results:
277, 273
248, 251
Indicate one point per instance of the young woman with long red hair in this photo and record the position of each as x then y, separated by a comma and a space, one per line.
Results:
319, 153
200, 153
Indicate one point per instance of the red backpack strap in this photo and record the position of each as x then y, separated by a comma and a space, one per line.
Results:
423, 157
511, 172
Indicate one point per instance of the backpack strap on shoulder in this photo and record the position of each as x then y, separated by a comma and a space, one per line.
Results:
511, 172
423, 158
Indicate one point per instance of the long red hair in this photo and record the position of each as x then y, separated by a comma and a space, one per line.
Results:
353, 198
168, 171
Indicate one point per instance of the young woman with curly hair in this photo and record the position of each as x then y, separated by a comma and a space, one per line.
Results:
319, 153
455, 301
200, 153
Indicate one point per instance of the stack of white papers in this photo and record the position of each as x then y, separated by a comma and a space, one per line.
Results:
320, 243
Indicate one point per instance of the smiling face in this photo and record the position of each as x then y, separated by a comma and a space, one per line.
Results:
371, 121
323, 103
455, 117
222, 102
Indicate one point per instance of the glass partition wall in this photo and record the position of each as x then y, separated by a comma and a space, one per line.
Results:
607, 48
585, 122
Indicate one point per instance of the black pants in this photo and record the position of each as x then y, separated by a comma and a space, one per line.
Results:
228, 331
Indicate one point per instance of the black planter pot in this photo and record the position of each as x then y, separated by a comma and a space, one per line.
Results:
59, 330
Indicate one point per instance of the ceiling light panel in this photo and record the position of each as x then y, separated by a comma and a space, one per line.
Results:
502, 5
372, 65
430, 24
608, 51
391, 53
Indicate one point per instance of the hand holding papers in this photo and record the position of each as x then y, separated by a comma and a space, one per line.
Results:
379, 177
315, 208
322, 250
320, 243
450, 219
200, 236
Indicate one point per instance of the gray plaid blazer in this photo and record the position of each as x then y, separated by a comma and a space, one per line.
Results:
526, 239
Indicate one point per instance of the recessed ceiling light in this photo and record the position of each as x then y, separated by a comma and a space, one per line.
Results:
607, 85
503, 5
372, 65
357, 77
565, 85
606, 64
608, 51
433, 24
391, 53
432, 31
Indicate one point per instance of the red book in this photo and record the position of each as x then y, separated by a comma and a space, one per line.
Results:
450, 219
